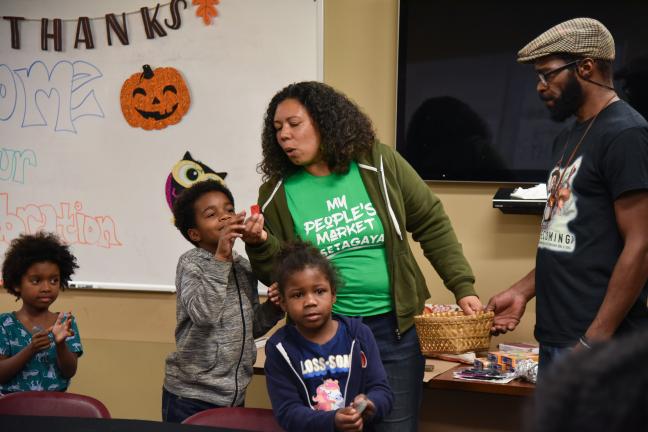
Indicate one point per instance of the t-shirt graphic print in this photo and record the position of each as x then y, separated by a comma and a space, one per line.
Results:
561, 208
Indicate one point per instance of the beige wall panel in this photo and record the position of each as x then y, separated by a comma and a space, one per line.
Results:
126, 376
359, 56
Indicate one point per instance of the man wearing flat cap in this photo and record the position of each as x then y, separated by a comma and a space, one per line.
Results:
590, 279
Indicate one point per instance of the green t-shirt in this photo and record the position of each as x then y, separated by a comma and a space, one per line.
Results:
335, 214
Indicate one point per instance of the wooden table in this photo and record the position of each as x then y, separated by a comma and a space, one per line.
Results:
492, 407
442, 378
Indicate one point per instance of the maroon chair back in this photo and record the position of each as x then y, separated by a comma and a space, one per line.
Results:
56, 404
249, 419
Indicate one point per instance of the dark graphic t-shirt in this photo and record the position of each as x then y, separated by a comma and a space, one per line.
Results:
579, 240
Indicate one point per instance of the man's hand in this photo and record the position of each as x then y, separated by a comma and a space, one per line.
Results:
509, 307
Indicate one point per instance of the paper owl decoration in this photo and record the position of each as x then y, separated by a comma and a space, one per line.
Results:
154, 99
185, 173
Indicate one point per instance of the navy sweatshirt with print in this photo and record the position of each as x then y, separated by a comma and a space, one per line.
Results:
289, 394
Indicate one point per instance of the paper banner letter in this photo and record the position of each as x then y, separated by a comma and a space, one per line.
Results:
83, 25
15, 30
174, 7
152, 25
112, 25
56, 34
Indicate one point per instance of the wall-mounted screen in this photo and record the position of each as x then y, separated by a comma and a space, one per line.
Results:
466, 110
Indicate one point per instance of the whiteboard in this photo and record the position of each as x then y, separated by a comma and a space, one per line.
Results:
69, 161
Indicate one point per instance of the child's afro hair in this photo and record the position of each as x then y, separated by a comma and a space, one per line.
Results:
30, 249
297, 255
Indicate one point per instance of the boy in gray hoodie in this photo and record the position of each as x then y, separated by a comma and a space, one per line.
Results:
217, 310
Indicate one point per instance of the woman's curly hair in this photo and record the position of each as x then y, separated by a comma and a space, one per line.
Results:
345, 131
30, 249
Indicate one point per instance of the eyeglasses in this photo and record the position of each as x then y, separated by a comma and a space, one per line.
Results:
544, 77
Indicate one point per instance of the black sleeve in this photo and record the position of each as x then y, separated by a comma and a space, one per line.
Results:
625, 163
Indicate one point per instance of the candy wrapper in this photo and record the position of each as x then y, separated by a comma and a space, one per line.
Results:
438, 308
527, 370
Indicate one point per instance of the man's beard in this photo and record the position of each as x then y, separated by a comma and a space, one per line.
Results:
569, 101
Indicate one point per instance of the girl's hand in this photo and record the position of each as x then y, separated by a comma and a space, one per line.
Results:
253, 233
230, 230
273, 294
470, 305
40, 342
369, 407
348, 419
62, 328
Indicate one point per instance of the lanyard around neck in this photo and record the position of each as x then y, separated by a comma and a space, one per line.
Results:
582, 138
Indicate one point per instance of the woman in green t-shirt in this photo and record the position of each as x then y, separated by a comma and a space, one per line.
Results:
328, 181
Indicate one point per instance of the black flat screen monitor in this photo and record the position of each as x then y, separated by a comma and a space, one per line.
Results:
466, 110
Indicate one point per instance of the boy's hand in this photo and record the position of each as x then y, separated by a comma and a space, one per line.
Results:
230, 230
369, 409
253, 233
40, 342
348, 419
62, 328
273, 294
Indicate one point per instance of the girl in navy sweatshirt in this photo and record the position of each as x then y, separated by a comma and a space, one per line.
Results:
323, 371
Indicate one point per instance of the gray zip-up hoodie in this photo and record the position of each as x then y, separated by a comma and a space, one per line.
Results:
218, 316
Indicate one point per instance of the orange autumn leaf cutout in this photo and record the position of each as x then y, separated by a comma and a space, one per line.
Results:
206, 9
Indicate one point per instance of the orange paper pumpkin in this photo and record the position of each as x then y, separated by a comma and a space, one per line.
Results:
154, 99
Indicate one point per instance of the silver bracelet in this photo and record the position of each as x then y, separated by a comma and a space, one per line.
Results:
583, 341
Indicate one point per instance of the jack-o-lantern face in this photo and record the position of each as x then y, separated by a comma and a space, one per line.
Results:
154, 99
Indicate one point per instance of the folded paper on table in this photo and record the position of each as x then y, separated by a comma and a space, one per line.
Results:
538, 191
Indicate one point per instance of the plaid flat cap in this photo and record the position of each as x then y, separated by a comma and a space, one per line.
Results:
583, 37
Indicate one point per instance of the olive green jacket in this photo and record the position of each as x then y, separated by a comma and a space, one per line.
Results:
404, 203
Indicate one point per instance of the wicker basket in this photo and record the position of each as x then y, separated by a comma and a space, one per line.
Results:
453, 332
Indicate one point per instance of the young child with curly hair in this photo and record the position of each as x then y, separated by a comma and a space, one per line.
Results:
323, 371
38, 348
